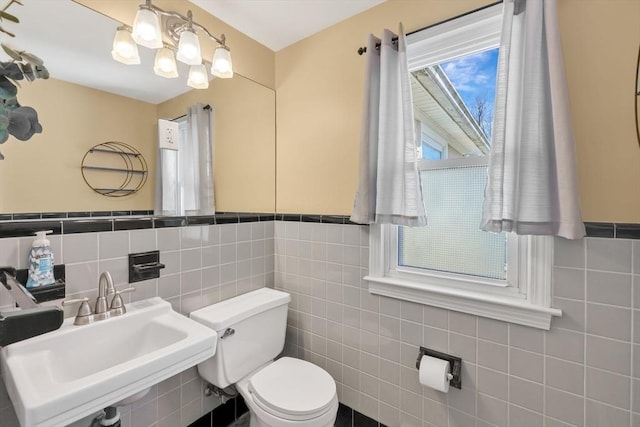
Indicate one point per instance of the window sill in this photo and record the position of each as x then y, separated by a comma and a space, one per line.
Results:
496, 307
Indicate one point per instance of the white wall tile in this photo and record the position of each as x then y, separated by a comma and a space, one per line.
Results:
369, 343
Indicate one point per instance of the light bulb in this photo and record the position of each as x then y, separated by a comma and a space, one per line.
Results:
198, 78
165, 63
146, 29
189, 48
124, 48
221, 65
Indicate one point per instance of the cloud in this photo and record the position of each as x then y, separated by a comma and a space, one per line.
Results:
469, 72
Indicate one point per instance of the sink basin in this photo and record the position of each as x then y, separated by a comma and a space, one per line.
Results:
64, 375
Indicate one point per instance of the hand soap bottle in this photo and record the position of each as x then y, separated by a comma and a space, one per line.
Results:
40, 262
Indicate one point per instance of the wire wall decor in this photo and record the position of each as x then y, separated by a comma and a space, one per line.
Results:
114, 169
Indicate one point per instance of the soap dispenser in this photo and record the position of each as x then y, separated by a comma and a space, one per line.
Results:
40, 271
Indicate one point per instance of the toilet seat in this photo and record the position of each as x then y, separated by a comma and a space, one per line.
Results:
293, 389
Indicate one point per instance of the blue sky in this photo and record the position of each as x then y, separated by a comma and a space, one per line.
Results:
474, 75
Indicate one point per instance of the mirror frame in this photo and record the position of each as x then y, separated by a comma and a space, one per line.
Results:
637, 97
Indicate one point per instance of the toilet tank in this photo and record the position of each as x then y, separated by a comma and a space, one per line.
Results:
251, 331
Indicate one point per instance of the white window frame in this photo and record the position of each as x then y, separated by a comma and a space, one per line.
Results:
425, 135
525, 297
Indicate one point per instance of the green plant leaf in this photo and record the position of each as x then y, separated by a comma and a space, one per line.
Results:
7, 89
31, 58
9, 33
41, 72
12, 71
4, 135
11, 52
8, 17
4, 120
15, 82
28, 72
11, 104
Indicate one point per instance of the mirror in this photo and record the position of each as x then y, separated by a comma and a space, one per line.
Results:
43, 174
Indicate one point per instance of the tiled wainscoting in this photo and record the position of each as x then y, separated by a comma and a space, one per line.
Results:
204, 264
585, 371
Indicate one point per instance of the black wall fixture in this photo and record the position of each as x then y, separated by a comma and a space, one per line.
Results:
144, 266
46, 293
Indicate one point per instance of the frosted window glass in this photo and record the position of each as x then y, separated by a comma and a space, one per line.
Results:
452, 241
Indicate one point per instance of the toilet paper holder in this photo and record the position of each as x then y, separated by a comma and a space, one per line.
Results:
455, 364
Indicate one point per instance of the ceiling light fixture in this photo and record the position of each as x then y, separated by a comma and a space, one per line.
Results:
177, 33
125, 49
146, 27
165, 63
198, 78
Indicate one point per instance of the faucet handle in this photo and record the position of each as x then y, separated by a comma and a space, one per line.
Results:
117, 305
84, 316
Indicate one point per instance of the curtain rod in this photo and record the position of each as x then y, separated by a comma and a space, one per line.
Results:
206, 107
363, 49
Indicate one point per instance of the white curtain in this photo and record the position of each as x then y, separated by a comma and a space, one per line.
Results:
389, 188
184, 178
532, 184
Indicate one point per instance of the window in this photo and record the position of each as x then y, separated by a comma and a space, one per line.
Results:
451, 263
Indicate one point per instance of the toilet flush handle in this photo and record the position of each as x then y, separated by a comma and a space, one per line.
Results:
227, 333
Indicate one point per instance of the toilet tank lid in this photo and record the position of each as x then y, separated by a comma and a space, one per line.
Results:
222, 315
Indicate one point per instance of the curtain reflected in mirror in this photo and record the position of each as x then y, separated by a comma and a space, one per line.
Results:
184, 178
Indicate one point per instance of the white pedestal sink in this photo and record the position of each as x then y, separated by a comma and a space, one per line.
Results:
64, 375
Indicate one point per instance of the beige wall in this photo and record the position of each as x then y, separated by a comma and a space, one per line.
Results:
319, 84
244, 141
600, 41
43, 174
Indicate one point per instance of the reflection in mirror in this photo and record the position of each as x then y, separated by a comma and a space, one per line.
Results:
90, 99
184, 184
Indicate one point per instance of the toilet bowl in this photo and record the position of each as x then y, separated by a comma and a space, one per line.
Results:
286, 392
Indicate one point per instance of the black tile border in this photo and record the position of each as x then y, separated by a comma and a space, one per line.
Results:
600, 229
74, 226
169, 221
226, 414
25, 224
20, 216
613, 230
91, 222
28, 228
628, 231
132, 223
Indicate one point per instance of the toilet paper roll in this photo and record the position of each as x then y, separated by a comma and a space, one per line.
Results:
433, 373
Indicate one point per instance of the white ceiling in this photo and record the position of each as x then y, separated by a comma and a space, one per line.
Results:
76, 45
280, 23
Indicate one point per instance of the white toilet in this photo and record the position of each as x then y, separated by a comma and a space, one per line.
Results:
251, 330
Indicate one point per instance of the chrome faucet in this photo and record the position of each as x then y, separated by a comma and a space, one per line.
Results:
103, 309
105, 288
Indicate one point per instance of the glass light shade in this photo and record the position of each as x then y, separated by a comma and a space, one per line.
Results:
146, 29
165, 64
198, 78
125, 49
221, 65
189, 48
